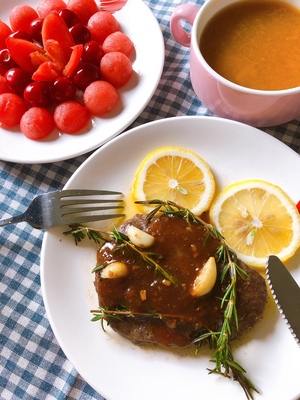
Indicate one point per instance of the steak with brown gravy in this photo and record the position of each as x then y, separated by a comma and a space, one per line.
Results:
166, 313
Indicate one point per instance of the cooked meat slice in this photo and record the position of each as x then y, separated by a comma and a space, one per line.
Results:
165, 313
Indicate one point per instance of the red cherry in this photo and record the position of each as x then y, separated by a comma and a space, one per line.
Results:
63, 90
92, 53
6, 61
87, 74
69, 16
37, 94
36, 30
21, 35
17, 79
80, 33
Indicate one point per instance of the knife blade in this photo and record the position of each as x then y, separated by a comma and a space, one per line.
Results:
286, 293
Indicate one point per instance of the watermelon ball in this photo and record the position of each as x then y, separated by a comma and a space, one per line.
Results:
37, 123
12, 108
71, 116
102, 24
100, 97
21, 17
46, 6
116, 68
83, 9
118, 41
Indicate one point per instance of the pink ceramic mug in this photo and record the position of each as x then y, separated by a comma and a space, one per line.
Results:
226, 99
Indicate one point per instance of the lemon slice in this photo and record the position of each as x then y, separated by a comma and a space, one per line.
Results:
175, 174
257, 219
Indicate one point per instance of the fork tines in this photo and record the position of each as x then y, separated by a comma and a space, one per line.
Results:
87, 192
70, 199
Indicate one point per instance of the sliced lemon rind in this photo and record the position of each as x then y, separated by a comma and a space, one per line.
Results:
254, 261
206, 198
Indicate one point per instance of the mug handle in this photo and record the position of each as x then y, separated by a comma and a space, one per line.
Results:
187, 12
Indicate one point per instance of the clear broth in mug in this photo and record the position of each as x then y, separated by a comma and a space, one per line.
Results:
255, 44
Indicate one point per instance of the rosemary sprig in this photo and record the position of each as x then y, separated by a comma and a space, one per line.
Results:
107, 314
80, 232
146, 256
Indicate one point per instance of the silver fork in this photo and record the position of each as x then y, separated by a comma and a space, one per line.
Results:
112, 5
66, 207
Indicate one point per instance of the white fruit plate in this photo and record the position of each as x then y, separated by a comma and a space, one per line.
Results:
138, 22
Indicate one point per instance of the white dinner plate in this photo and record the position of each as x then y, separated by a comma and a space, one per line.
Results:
115, 367
138, 22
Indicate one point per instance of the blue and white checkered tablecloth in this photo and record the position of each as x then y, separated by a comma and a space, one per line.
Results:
32, 364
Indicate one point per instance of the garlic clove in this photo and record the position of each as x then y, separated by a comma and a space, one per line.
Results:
206, 278
114, 270
139, 238
143, 295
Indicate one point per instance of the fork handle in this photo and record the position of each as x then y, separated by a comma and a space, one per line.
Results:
13, 220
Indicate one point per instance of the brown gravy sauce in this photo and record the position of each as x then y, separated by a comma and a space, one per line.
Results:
182, 249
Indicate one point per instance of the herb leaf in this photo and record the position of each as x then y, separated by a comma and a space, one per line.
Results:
80, 232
